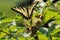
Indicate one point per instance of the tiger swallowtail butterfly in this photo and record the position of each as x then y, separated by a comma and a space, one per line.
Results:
26, 12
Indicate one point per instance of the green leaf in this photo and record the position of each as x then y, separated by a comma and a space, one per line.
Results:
49, 13
55, 31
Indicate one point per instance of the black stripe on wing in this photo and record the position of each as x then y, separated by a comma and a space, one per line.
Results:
54, 1
46, 24
44, 0
20, 13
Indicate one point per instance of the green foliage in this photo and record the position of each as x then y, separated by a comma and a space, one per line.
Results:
11, 23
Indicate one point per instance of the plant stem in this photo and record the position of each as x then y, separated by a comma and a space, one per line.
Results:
8, 34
